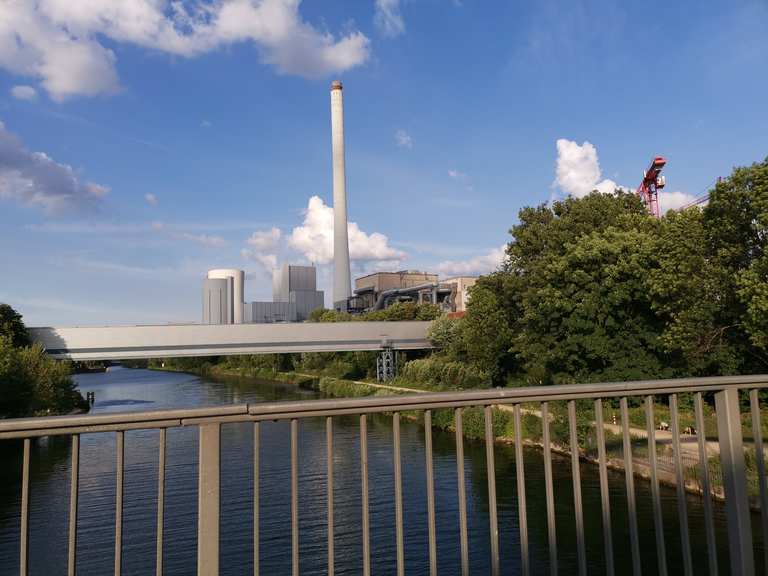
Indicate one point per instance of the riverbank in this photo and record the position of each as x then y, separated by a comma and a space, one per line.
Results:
503, 428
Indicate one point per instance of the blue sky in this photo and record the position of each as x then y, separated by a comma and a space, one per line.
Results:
141, 146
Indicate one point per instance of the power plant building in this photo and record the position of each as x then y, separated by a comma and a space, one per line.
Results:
223, 296
297, 285
217, 301
294, 297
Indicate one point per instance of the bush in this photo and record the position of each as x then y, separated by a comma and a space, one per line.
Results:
31, 383
435, 372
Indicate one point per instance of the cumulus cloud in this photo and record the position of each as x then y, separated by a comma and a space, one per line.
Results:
403, 139
314, 238
24, 92
474, 266
388, 19
265, 240
674, 200
578, 170
263, 247
151, 199
268, 261
35, 179
59, 42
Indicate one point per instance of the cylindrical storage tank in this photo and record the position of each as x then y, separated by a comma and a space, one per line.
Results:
217, 305
238, 289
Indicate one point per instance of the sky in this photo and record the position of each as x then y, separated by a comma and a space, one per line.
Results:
143, 142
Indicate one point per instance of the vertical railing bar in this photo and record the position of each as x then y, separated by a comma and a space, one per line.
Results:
734, 481
521, 507
73, 487
430, 493
208, 499
462, 491
576, 473
364, 493
658, 520
604, 489
295, 495
757, 434
549, 488
120, 474
682, 509
256, 497
24, 548
329, 483
490, 463
398, 493
709, 517
630, 482
160, 504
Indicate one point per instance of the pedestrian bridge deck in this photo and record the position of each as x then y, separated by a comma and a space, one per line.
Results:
126, 342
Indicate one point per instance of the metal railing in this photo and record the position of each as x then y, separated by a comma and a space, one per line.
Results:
209, 420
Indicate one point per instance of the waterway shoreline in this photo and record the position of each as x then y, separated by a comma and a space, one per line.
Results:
343, 388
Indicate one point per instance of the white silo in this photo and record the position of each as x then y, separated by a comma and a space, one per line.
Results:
238, 289
342, 284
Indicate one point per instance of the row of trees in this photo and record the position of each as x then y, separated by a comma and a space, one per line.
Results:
31, 383
595, 289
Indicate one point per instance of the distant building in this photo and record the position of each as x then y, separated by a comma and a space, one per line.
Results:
462, 284
382, 289
223, 296
294, 297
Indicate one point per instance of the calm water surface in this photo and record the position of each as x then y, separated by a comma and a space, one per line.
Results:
125, 390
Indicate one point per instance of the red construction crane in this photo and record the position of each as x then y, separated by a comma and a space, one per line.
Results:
652, 182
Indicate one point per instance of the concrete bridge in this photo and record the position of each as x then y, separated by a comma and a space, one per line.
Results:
126, 342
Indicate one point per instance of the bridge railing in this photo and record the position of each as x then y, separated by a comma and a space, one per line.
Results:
726, 391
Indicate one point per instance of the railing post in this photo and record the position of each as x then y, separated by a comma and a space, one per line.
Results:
208, 500
734, 482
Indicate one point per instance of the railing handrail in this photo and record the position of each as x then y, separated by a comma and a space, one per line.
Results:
73, 424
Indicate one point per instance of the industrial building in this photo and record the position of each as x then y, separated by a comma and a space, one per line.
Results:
223, 290
462, 285
294, 297
382, 289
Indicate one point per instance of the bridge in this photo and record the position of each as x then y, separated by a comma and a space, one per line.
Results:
128, 342
209, 421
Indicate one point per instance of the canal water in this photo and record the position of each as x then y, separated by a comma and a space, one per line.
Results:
124, 390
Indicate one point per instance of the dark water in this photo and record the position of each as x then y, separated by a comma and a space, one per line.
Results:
121, 390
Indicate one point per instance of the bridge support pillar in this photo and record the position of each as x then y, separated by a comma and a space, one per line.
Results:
386, 364
734, 481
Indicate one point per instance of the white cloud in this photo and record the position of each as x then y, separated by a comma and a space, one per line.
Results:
314, 238
265, 244
478, 265
265, 240
578, 169
674, 200
206, 124
388, 18
268, 261
456, 175
24, 92
151, 199
403, 139
59, 42
33, 178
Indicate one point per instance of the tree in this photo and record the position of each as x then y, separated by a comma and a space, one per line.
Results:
31, 383
12, 326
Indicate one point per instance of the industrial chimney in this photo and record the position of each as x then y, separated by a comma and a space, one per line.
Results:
342, 285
